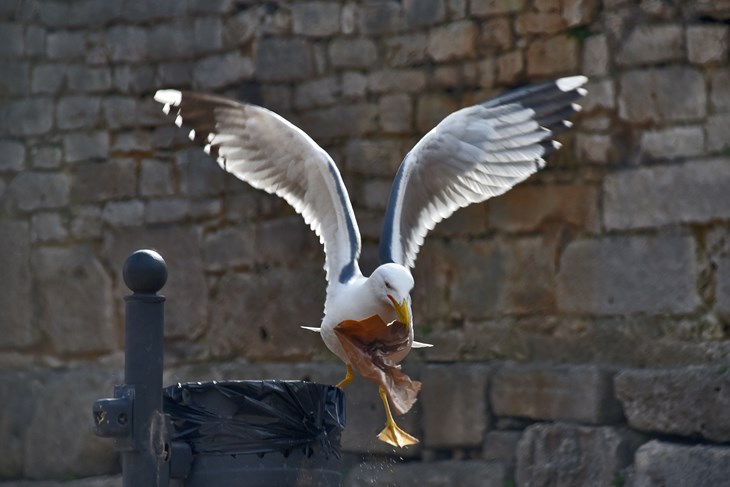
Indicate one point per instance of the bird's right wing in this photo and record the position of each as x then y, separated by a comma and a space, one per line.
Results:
269, 153
472, 155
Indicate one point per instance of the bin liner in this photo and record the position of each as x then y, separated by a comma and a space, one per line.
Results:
247, 417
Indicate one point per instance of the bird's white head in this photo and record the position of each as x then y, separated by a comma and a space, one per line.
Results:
393, 283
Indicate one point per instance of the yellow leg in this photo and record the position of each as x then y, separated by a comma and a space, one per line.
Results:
348, 377
392, 434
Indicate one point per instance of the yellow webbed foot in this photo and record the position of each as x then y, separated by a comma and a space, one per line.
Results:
349, 376
395, 436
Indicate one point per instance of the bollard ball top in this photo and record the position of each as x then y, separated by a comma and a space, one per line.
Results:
145, 272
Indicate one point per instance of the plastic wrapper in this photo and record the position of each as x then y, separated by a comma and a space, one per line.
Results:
368, 344
242, 417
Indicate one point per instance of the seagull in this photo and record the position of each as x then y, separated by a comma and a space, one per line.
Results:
473, 154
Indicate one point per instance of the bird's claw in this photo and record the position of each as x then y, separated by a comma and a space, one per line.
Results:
395, 436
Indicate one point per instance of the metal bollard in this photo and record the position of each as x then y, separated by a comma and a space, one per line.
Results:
134, 417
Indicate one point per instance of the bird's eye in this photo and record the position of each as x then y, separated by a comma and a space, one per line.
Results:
387, 284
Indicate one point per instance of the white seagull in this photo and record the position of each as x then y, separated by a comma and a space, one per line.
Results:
472, 155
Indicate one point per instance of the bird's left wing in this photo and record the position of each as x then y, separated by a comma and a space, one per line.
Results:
472, 155
269, 153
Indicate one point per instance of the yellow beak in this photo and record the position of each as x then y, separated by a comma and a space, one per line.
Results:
401, 310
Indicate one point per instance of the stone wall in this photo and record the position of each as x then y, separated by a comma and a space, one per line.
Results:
614, 258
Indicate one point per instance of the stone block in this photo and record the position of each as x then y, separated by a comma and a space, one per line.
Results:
489, 8
120, 111
27, 116
529, 281
665, 464
156, 178
85, 79
501, 446
84, 146
16, 328
352, 53
82, 13
246, 322
444, 473
396, 114
34, 190
454, 408
283, 59
651, 44
675, 142
595, 148
496, 35
48, 227
510, 67
582, 394
552, 56
35, 41
169, 41
94, 182
316, 19
66, 45
565, 454
453, 41
12, 155
63, 443
78, 112
123, 213
14, 78
455, 9
228, 248
186, 292
596, 57
217, 71
166, 210
431, 109
317, 93
86, 221
579, 12
284, 240
378, 18
240, 28
76, 305
720, 89
527, 208
177, 74
340, 121
718, 133
406, 50
199, 173
131, 141
126, 43
478, 273
629, 274
12, 45
707, 44
422, 13
379, 157
653, 196
545, 23
397, 80
601, 96
210, 6
354, 85
208, 34
665, 401
47, 78
650, 95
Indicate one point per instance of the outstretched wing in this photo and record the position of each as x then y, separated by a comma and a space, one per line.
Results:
472, 155
268, 152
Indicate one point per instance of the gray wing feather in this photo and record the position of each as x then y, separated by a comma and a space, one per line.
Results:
474, 154
268, 152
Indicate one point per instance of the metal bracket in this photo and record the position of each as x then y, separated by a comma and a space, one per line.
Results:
114, 417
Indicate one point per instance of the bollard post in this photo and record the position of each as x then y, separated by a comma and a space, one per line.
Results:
134, 417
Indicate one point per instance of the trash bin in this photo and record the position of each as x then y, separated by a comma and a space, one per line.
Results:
258, 433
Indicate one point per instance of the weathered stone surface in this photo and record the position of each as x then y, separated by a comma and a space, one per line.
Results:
14, 78
218, 71
581, 394
317, 19
284, 240
84, 146
169, 41
529, 284
707, 44
12, 155
12, 37
104, 181
156, 178
374, 157
480, 270
47, 78
80, 14
340, 121
488, 8
120, 111
88, 80
34, 190
528, 207
596, 55
552, 56
454, 405
186, 292
665, 401
396, 80
448, 473
76, 112
76, 304
208, 34
199, 174
501, 446
354, 85
16, 329
26, 117
63, 443
595, 148
166, 210
282, 59
539, 23
318, 93
563, 454
579, 12
228, 248
127, 43
246, 320
650, 95
65, 45
131, 141
718, 133
396, 114
86, 221
48, 226
659, 463
431, 109
649, 44
377, 18
510, 66
496, 35
655, 196
123, 213
452, 41
629, 274
601, 95
720, 89
99, 481
406, 50
352, 53
420, 13
675, 142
